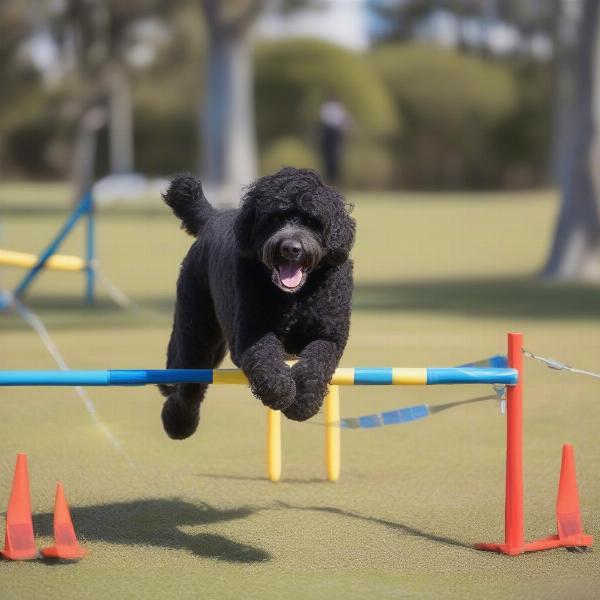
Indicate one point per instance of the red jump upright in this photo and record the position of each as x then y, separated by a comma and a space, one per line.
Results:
570, 530
514, 528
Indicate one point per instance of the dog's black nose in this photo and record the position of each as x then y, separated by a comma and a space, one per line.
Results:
291, 249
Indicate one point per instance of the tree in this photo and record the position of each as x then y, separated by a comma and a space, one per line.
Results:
18, 81
227, 116
575, 252
94, 37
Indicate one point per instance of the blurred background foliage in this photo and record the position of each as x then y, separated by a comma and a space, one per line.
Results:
293, 79
422, 116
456, 108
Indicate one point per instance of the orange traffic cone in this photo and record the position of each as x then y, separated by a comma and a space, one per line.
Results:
66, 544
18, 542
568, 514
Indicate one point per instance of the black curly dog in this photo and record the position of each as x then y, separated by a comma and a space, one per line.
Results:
268, 281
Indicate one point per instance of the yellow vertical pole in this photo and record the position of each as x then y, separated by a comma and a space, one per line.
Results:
332, 433
273, 445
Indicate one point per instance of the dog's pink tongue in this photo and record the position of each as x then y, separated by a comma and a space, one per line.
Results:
290, 274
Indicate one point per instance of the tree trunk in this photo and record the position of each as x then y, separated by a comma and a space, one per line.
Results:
227, 114
120, 119
563, 84
84, 155
240, 155
575, 253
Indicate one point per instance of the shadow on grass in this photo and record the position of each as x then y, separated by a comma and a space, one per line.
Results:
76, 304
401, 527
157, 522
508, 297
72, 313
433, 409
482, 297
29, 210
265, 478
437, 408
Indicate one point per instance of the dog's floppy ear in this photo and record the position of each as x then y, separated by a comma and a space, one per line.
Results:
340, 237
243, 226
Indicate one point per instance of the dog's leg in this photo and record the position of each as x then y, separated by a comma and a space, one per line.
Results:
196, 343
263, 362
312, 373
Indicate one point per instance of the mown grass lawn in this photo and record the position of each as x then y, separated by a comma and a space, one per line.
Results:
440, 279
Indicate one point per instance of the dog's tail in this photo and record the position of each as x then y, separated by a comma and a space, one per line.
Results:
187, 201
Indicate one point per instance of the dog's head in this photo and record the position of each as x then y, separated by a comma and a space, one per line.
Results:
293, 223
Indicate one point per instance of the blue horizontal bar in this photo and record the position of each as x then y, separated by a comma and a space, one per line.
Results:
363, 376
156, 376
373, 376
105, 378
451, 376
53, 378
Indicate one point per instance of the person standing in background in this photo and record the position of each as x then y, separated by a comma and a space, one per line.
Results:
334, 121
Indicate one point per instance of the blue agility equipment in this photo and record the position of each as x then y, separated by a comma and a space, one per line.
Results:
391, 417
343, 376
409, 414
84, 210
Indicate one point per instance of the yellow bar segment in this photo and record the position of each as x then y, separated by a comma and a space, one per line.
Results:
57, 262
231, 376
417, 376
332, 433
343, 376
273, 445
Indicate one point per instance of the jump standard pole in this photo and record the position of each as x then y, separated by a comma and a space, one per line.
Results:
570, 528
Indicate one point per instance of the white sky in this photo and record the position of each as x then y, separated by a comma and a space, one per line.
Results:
341, 22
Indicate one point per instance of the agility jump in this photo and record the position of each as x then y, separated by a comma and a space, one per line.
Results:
342, 376
570, 529
48, 259
58, 262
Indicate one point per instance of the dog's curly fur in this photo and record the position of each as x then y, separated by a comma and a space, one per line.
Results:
239, 289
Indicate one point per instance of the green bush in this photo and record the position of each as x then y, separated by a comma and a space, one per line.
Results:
294, 77
452, 104
288, 151
522, 142
368, 165
165, 141
28, 145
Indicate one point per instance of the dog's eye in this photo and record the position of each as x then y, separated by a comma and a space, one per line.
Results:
312, 223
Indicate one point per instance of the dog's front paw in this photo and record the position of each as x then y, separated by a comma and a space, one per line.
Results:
276, 390
180, 419
310, 391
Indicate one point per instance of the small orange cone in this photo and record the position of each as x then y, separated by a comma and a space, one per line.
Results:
568, 514
18, 542
66, 544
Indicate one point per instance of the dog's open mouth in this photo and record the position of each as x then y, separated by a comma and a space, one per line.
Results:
289, 276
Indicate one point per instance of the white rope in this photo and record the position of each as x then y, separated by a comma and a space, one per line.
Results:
123, 300
38, 326
552, 363
116, 294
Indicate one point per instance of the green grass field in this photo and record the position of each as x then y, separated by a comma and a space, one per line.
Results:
439, 281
